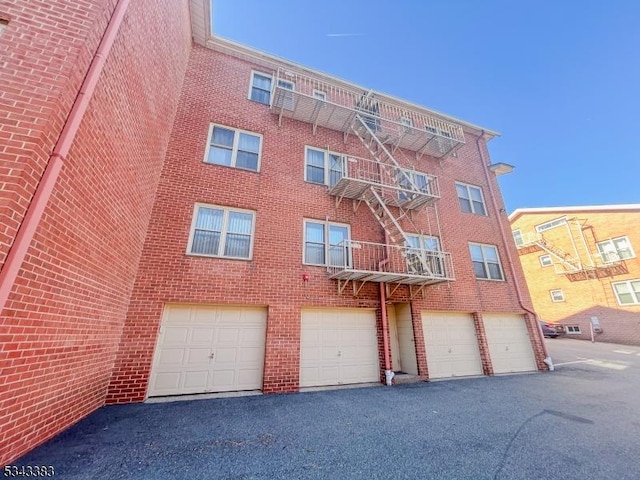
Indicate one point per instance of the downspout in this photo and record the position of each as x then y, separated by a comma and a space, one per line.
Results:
388, 372
45, 187
485, 168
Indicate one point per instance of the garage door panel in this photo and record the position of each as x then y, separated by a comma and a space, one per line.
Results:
175, 336
509, 343
198, 331
451, 345
338, 347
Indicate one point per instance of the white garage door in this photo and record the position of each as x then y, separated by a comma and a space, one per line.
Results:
338, 347
209, 349
451, 345
509, 343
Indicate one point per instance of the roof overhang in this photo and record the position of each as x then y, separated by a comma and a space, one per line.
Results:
203, 35
584, 208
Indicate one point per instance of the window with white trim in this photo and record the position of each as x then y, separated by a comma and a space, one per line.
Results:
573, 329
260, 90
615, 249
517, 237
471, 199
627, 293
326, 243
420, 180
418, 261
221, 232
557, 295
3, 25
545, 260
323, 167
486, 262
284, 96
233, 148
319, 95
558, 222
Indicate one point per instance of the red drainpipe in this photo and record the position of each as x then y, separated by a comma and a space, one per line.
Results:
385, 321
485, 167
45, 187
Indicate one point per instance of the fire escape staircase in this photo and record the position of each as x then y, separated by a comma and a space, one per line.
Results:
397, 188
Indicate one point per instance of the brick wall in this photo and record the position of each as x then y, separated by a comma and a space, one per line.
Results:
585, 294
215, 90
62, 323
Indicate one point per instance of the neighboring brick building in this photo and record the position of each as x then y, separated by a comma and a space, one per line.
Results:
222, 220
581, 263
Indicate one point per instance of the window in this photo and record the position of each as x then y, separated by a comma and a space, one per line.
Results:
221, 232
323, 167
233, 148
420, 180
545, 260
418, 261
628, 293
260, 88
558, 222
324, 243
486, 263
470, 199
3, 25
573, 329
285, 98
556, 295
615, 249
517, 237
320, 95
372, 109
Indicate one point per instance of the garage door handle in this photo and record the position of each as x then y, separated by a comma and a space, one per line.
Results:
339, 353
212, 355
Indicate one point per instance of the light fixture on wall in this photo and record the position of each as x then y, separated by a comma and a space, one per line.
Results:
501, 168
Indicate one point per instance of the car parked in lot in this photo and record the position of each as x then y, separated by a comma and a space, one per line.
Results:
549, 330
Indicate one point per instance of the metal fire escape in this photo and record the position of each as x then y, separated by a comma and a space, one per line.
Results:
389, 190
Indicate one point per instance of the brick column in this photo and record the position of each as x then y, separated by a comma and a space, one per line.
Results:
418, 339
487, 366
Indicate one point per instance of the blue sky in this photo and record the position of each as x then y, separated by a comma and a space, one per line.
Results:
560, 80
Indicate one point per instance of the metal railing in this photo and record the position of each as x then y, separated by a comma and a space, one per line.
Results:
391, 178
362, 258
310, 99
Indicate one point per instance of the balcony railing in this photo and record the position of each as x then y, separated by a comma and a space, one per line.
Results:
400, 187
375, 262
325, 104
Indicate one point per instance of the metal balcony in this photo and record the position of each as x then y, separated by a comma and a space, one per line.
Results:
399, 187
375, 262
328, 105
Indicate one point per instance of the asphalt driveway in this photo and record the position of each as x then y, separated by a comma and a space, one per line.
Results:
580, 422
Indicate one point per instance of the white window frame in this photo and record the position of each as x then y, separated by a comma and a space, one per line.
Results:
468, 186
556, 222
320, 95
234, 148
223, 232
413, 175
262, 74
517, 235
327, 226
612, 243
287, 99
572, 329
486, 266
543, 261
327, 171
632, 292
3, 25
557, 295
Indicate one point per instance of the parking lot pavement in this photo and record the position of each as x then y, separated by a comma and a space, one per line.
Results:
580, 422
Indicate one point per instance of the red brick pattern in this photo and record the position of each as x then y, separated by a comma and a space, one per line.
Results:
585, 294
215, 90
61, 327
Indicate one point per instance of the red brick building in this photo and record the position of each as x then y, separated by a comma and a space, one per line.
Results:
582, 268
181, 214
